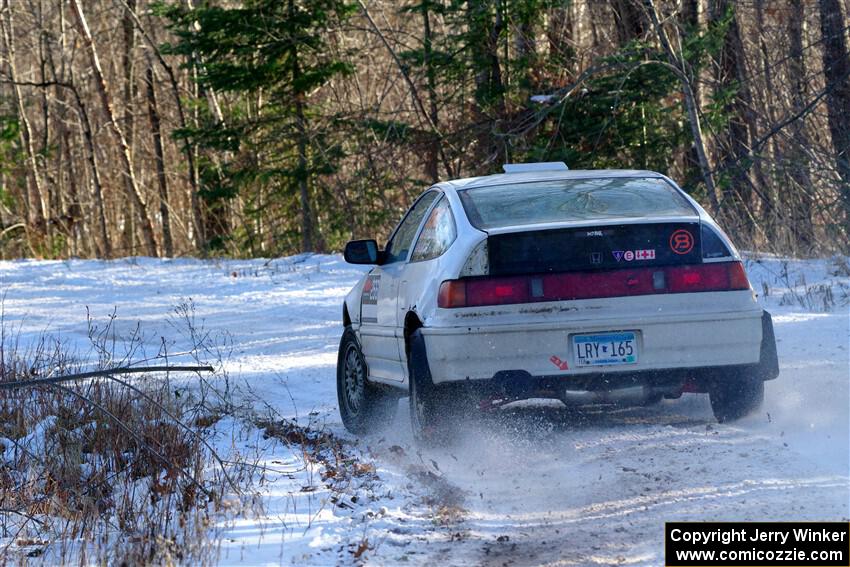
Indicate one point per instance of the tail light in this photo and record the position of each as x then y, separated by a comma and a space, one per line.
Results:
452, 294
707, 277
475, 292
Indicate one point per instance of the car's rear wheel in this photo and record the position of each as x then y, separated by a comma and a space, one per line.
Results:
432, 410
653, 399
364, 407
735, 396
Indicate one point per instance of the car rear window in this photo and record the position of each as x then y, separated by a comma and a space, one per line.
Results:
542, 202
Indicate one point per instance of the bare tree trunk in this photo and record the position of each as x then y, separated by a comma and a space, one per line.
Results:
525, 45
90, 236
37, 210
560, 35
731, 73
127, 66
489, 86
307, 227
836, 67
414, 93
48, 197
66, 204
629, 19
768, 212
97, 187
677, 65
153, 113
194, 199
691, 13
74, 214
219, 217
132, 188
796, 157
432, 161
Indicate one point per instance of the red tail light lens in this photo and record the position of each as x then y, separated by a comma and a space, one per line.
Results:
452, 294
724, 276
737, 276
497, 291
475, 292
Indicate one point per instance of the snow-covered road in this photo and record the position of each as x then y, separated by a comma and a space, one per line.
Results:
536, 484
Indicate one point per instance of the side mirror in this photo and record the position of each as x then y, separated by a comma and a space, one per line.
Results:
362, 252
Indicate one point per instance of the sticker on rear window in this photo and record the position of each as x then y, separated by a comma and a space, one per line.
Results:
570, 249
632, 255
681, 241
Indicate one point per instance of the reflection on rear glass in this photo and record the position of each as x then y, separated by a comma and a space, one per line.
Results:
572, 200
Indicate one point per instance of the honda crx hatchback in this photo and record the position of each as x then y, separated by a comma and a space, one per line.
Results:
593, 287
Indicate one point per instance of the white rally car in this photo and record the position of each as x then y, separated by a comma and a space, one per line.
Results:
593, 287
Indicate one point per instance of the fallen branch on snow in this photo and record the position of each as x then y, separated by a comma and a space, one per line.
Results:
100, 374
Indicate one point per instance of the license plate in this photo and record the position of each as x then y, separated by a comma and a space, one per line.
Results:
605, 349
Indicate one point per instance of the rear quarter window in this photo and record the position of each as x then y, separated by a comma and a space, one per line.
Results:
572, 200
712, 245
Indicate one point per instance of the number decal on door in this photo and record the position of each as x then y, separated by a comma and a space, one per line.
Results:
369, 299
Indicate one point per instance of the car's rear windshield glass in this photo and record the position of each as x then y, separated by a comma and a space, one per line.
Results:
542, 202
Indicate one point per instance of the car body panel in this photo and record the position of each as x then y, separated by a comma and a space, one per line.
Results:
530, 337
379, 334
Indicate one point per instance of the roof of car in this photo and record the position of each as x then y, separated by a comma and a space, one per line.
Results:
548, 175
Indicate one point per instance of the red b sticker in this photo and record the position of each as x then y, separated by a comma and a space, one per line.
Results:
681, 241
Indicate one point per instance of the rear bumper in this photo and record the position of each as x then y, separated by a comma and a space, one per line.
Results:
668, 344
605, 388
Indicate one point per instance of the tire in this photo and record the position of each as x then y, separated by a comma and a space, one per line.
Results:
363, 407
735, 396
432, 412
653, 400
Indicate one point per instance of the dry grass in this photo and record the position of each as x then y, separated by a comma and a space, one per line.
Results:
819, 297
114, 471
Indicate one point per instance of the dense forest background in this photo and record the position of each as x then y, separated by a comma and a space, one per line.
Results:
268, 127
